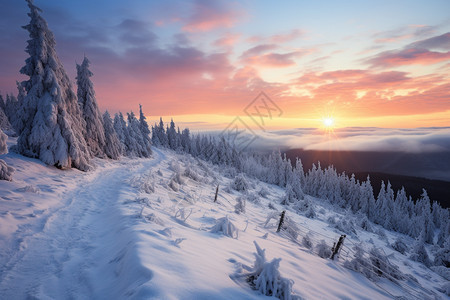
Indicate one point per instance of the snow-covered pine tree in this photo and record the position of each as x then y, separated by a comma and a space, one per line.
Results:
94, 134
297, 179
134, 139
2, 102
120, 127
424, 204
113, 147
12, 106
5, 170
379, 218
145, 131
171, 136
155, 138
419, 253
53, 127
4, 122
131, 136
186, 140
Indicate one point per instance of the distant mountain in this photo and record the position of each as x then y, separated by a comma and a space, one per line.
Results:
414, 171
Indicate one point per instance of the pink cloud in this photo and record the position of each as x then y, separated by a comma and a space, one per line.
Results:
410, 56
287, 37
273, 60
209, 15
227, 40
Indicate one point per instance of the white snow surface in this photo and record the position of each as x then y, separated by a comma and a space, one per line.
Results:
121, 232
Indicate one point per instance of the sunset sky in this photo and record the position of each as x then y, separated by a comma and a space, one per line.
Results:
362, 63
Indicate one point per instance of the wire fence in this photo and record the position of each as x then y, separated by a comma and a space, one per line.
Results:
347, 254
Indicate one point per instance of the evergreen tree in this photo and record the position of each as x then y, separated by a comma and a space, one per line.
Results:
296, 180
162, 135
12, 107
120, 127
186, 141
379, 218
113, 148
94, 134
53, 130
134, 139
4, 122
171, 135
145, 131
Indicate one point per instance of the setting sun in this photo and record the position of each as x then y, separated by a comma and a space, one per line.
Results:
328, 122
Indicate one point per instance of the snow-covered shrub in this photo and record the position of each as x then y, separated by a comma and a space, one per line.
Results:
173, 185
177, 177
382, 234
290, 228
310, 213
191, 173
29, 189
266, 278
442, 271
331, 220
145, 183
5, 170
323, 250
240, 183
382, 266
3, 145
240, 205
154, 219
175, 166
306, 241
272, 216
446, 288
399, 245
361, 264
442, 257
345, 225
289, 196
303, 205
182, 214
263, 192
419, 253
227, 228
252, 197
364, 223
229, 172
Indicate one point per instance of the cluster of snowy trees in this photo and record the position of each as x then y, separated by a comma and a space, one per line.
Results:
56, 125
420, 219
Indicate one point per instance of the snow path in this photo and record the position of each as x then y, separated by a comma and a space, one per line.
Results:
78, 243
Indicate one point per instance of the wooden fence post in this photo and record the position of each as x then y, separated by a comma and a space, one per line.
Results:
281, 220
338, 246
217, 193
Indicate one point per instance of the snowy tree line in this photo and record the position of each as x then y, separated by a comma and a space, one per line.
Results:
56, 125
393, 210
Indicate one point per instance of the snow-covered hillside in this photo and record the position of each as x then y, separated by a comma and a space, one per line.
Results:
150, 229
